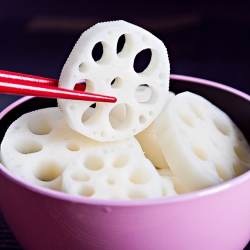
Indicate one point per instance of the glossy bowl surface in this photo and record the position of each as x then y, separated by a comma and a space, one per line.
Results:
213, 218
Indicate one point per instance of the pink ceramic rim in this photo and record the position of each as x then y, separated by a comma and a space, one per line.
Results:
181, 198
210, 83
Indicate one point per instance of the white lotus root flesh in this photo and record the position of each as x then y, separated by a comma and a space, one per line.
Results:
149, 142
201, 144
112, 173
38, 146
115, 74
168, 176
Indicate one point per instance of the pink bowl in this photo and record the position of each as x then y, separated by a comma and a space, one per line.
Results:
213, 218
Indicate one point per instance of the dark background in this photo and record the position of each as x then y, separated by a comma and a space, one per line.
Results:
205, 39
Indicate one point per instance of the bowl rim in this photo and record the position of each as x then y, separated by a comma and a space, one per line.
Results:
223, 187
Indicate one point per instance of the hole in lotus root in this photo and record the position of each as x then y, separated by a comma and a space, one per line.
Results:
101, 53
242, 153
120, 161
86, 191
186, 116
80, 85
103, 133
39, 126
139, 176
221, 172
93, 162
239, 169
142, 119
142, 60
197, 110
80, 176
72, 146
111, 181
118, 116
88, 113
84, 85
124, 45
97, 51
116, 83
28, 146
200, 151
48, 170
143, 93
222, 126
120, 43
135, 194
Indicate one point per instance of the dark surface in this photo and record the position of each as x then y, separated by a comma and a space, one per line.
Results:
208, 40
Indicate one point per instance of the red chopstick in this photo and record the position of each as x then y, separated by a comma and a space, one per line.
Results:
22, 84
19, 78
